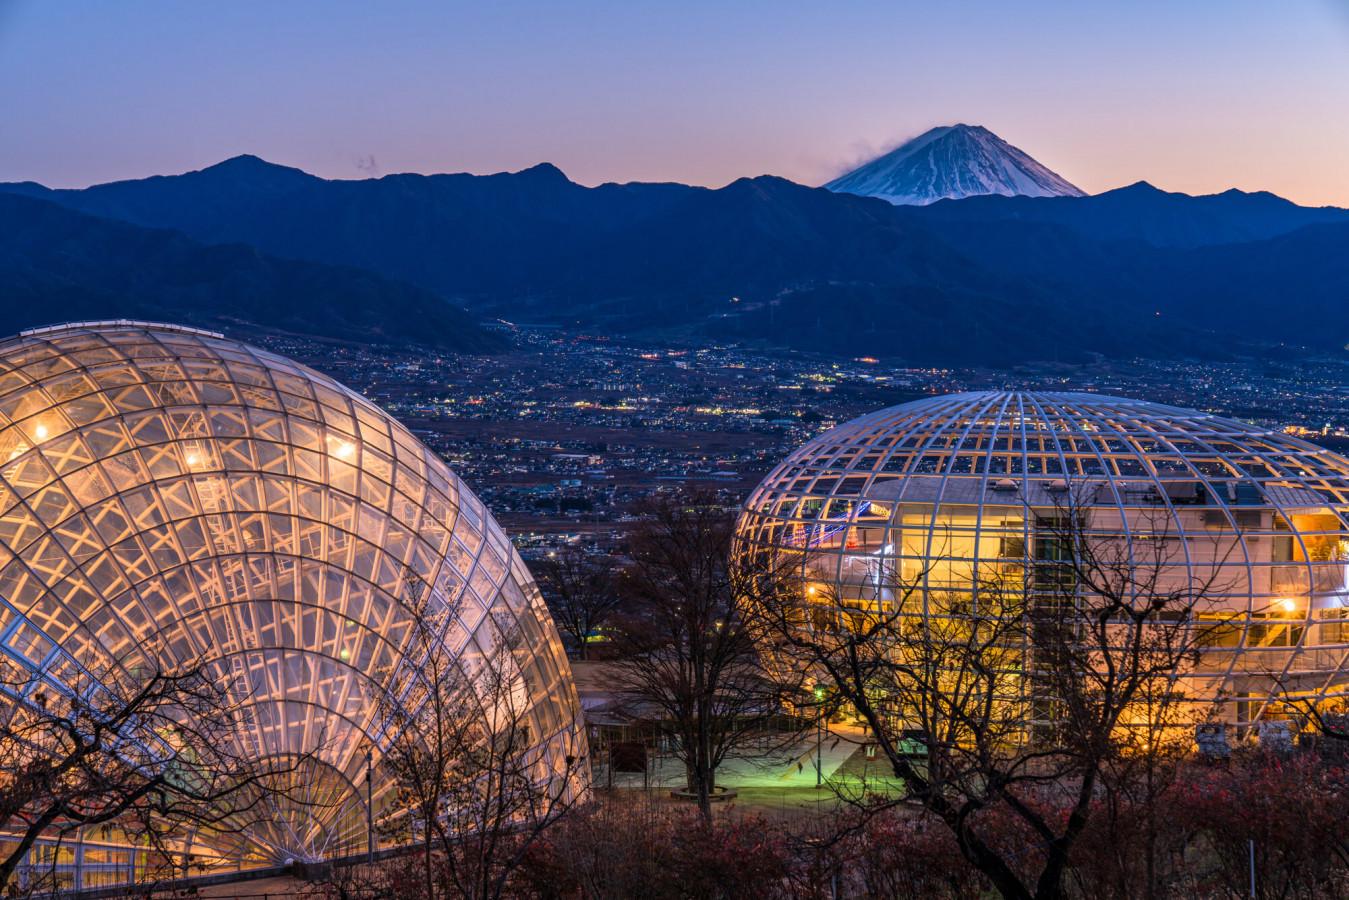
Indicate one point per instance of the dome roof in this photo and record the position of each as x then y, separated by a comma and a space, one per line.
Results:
168, 495
962, 448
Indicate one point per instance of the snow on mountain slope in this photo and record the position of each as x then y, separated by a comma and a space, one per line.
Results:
950, 162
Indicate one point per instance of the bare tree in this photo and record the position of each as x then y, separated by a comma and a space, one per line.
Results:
1135, 781
689, 654
472, 782
1023, 687
152, 754
581, 594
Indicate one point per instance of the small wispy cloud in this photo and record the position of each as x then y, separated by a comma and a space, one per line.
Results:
862, 152
368, 165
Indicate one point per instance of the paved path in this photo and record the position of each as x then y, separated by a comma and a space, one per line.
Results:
792, 766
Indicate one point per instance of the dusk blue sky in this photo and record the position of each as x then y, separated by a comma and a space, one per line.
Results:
1195, 96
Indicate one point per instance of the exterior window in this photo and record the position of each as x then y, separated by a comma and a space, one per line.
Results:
1335, 626
1218, 631
1274, 634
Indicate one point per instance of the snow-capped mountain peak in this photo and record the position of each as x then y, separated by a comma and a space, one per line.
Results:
953, 161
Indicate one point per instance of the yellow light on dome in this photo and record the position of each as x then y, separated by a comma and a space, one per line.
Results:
342, 449
41, 431
195, 455
1287, 604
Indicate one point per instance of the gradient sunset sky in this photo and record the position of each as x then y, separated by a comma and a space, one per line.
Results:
1195, 96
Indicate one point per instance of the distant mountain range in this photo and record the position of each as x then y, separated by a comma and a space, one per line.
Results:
57, 265
993, 280
950, 163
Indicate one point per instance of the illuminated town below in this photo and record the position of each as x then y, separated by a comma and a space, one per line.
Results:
564, 433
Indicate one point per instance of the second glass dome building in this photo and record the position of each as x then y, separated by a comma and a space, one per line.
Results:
948, 490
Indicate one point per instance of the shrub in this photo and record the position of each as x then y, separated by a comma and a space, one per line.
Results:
624, 848
914, 857
1293, 809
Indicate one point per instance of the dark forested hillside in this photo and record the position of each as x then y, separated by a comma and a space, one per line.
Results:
60, 265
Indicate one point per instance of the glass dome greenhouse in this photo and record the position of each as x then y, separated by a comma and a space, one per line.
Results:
169, 496
948, 493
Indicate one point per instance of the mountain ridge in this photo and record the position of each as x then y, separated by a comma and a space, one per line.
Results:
767, 261
1142, 211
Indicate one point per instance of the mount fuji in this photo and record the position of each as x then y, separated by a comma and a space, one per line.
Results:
951, 162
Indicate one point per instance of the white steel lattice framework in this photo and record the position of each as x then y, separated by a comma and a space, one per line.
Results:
169, 496
946, 491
